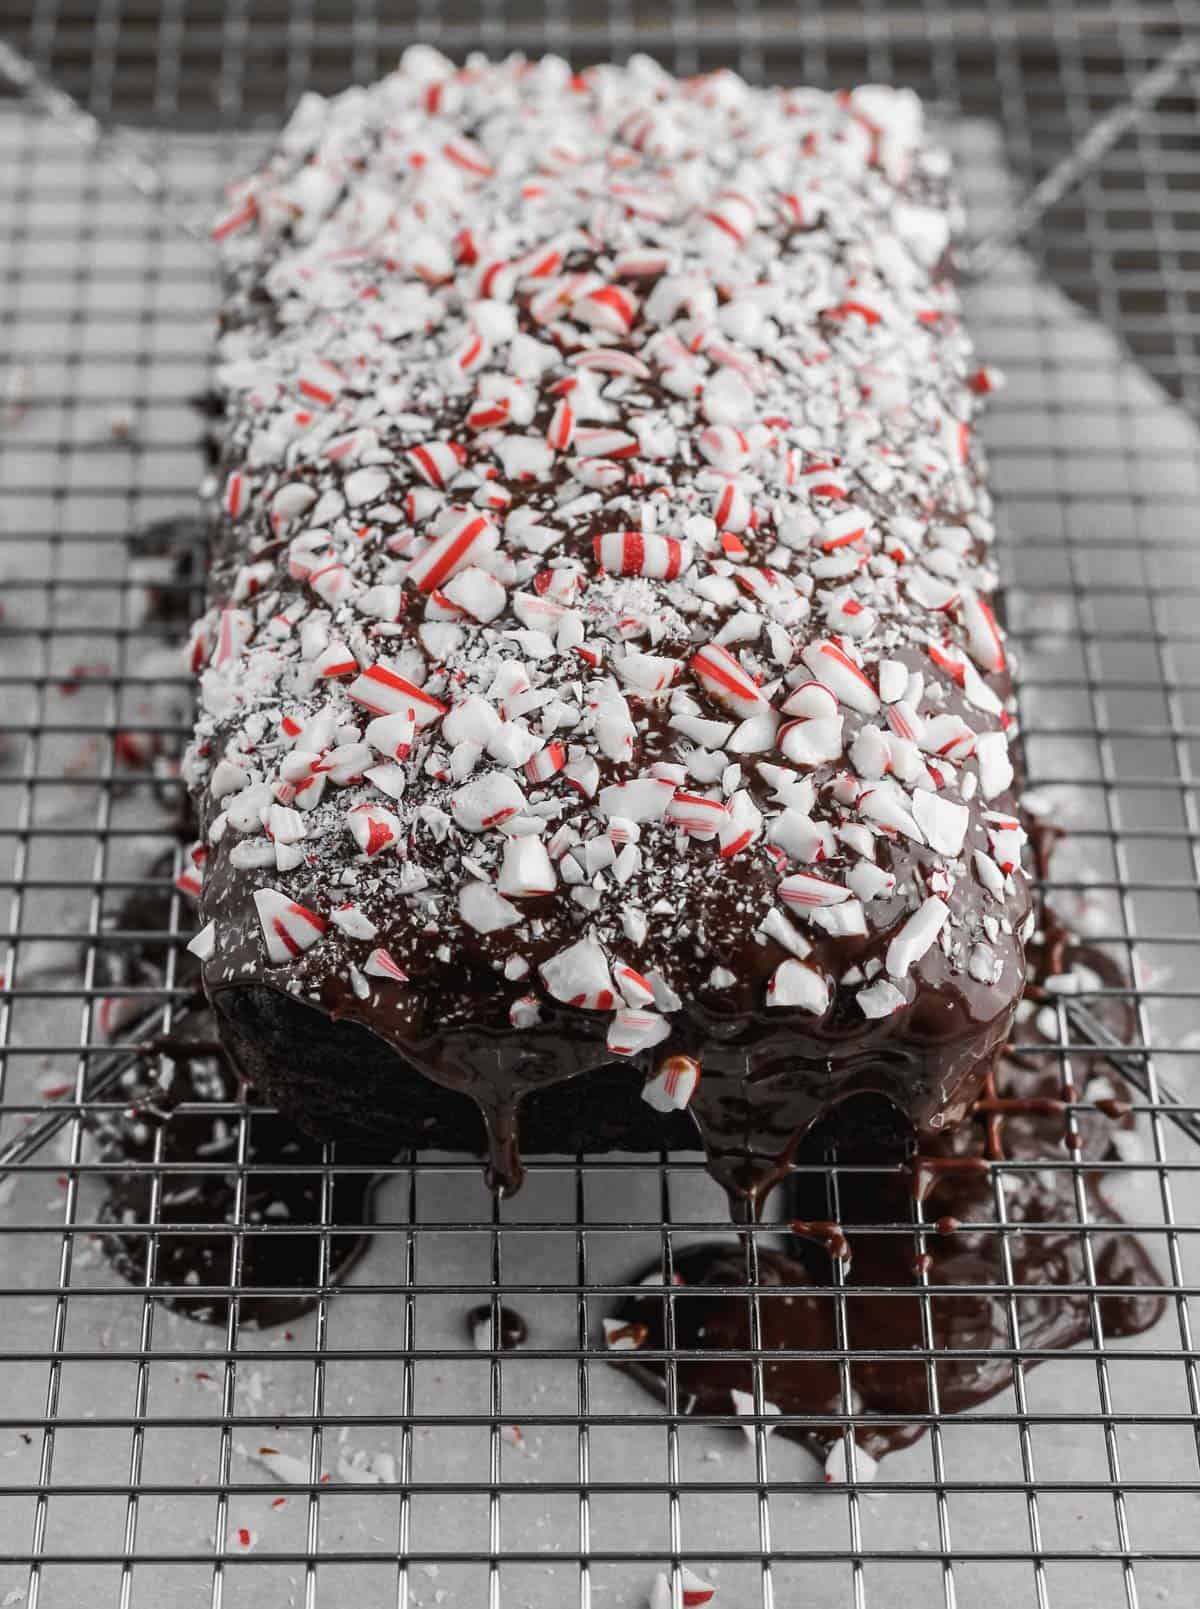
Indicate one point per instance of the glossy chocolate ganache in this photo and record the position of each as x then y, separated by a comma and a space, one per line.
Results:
1025, 1116
600, 690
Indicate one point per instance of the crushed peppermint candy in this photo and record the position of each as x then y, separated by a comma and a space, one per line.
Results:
605, 598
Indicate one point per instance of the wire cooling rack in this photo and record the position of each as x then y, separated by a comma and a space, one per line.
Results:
130, 1470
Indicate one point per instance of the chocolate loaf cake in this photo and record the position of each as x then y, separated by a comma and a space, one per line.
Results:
603, 712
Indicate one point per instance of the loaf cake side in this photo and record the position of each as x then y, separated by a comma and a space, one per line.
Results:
601, 680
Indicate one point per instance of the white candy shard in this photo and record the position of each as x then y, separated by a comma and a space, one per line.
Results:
793, 983
288, 927
915, 937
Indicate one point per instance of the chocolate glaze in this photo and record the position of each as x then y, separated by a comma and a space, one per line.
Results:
1021, 1118
182, 1086
514, 1332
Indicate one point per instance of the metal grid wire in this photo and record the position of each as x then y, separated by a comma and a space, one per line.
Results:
123, 1427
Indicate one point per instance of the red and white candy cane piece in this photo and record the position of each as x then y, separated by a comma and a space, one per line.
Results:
240, 216
237, 495
725, 680
579, 976
380, 964
742, 825
470, 537
805, 891
486, 801
233, 633
464, 154
489, 414
320, 381
983, 634
546, 762
373, 829
606, 360
639, 553
642, 262
673, 1084
696, 815
822, 480
724, 447
289, 928
333, 584
392, 735
335, 660
732, 216
633, 986
384, 691
733, 509
600, 441
832, 665
630, 1032
472, 353
851, 525
609, 307
436, 462
191, 879
562, 426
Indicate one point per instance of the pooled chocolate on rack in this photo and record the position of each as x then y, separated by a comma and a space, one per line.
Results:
600, 681
893, 1298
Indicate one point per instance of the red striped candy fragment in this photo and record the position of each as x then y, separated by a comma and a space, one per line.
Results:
489, 414
673, 1084
335, 660
849, 526
392, 735
633, 986
804, 890
631, 1032
237, 495
601, 441
546, 762
191, 879
436, 462
724, 679
697, 816
486, 801
695, 1591
562, 426
733, 509
831, 664
609, 307
470, 537
233, 633
239, 216
639, 553
607, 360
320, 381
464, 154
373, 829
579, 976
289, 928
384, 691
380, 964
983, 634
724, 447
